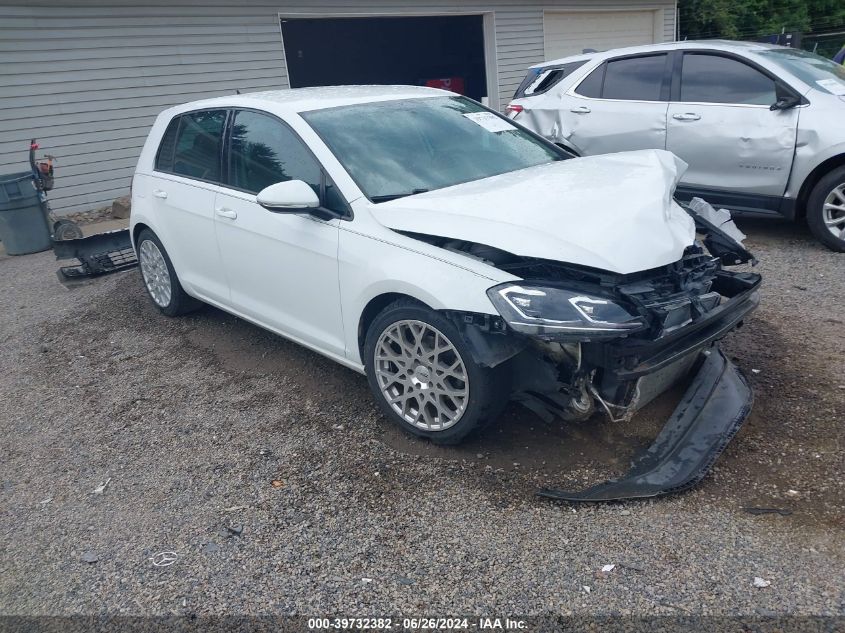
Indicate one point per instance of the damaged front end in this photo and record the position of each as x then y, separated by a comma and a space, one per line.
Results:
581, 340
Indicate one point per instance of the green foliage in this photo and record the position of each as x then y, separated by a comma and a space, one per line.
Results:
748, 19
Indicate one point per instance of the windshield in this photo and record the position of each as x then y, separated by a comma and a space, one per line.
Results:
814, 70
398, 148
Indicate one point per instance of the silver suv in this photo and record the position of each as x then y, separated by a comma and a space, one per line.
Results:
762, 127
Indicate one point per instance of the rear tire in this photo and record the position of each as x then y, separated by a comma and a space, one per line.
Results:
159, 277
423, 376
826, 210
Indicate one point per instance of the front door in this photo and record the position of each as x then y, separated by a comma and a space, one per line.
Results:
619, 106
282, 267
721, 124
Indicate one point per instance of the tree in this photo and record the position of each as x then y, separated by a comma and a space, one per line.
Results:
750, 19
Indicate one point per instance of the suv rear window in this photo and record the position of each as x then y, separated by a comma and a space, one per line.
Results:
540, 80
198, 145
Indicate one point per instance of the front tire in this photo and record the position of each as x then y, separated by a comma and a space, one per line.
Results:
160, 279
424, 378
826, 210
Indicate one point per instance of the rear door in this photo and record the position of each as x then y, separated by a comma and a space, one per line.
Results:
181, 194
282, 267
721, 124
619, 106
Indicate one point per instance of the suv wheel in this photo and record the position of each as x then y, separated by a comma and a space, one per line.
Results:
160, 279
826, 210
424, 378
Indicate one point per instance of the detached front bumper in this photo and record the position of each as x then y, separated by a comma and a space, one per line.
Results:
709, 415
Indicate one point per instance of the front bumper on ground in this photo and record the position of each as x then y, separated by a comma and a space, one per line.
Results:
708, 416
97, 254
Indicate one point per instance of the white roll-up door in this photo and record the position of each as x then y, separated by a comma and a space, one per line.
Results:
569, 33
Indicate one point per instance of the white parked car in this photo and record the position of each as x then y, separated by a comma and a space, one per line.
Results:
456, 259
762, 127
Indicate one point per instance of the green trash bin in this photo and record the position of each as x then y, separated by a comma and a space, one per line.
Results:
23, 225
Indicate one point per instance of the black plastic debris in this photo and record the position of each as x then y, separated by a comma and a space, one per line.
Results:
708, 416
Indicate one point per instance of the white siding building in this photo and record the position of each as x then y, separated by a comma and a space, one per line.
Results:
88, 77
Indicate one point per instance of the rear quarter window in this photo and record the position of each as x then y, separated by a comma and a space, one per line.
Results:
540, 80
164, 156
591, 86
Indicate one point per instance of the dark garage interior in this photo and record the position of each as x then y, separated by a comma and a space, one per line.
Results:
441, 51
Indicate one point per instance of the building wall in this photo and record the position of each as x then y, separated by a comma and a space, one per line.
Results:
88, 78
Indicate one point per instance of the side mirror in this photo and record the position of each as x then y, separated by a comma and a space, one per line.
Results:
784, 103
291, 196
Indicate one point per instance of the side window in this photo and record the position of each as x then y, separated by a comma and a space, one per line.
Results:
264, 151
716, 79
591, 85
164, 157
635, 78
198, 145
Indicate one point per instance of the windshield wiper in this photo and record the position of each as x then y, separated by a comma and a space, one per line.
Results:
396, 196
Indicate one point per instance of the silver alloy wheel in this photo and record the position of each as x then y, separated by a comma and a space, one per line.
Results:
155, 273
421, 375
834, 212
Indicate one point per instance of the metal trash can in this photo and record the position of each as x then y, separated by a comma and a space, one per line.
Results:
23, 225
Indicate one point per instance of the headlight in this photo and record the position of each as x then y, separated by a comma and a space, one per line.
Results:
539, 310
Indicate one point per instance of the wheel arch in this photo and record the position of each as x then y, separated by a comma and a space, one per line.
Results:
136, 231
374, 308
812, 179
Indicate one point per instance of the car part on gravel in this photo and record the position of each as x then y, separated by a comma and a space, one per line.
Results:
97, 254
707, 417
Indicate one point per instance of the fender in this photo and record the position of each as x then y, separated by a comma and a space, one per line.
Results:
810, 152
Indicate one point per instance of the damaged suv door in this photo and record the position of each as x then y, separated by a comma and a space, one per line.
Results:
717, 95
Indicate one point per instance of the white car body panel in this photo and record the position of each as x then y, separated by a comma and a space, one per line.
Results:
189, 209
282, 268
612, 212
374, 260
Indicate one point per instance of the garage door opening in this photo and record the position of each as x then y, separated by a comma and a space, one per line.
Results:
440, 51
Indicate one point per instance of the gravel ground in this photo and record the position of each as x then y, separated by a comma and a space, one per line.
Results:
191, 420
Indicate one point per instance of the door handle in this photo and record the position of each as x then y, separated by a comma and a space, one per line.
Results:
226, 212
687, 116
580, 110
158, 193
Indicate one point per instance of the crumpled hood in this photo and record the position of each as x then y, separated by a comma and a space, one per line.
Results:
614, 212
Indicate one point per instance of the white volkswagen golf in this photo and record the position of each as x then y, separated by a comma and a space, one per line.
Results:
455, 258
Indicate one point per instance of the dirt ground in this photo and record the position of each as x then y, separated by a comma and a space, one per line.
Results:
191, 419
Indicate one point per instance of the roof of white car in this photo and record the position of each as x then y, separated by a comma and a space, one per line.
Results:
722, 45
304, 99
